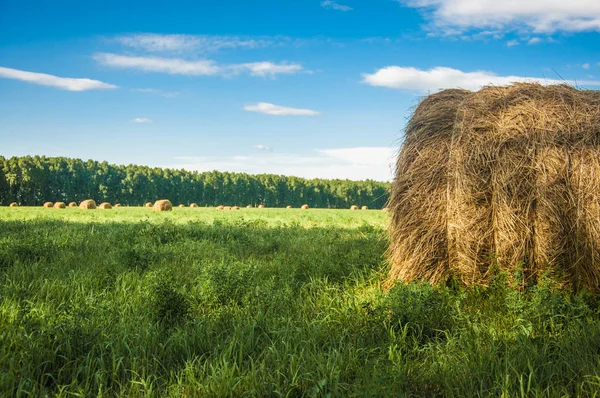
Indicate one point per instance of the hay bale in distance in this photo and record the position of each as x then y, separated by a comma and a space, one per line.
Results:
249, 207
505, 176
220, 207
59, 205
365, 208
148, 204
193, 205
13, 204
235, 207
105, 206
181, 206
48, 205
226, 207
162, 205
288, 207
117, 205
72, 204
261, 206
354, 207
304, 207
87, 205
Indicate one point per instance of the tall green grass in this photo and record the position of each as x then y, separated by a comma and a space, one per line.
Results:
265, 303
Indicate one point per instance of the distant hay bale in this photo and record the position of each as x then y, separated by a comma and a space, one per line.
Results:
235, 207
87, 205
354, 207
72, 204
117, 205
226, 207
48, 205
105, 206
261, 206
181, 206
506, 178
13, 204
365, 208
162, 205
220, 207
148, 204
249, 207
304, 207
288, 207
59, 205
193, 205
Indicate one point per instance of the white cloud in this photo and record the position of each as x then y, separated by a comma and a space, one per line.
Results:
376, 163
63, 83
167, 94
413, 79
542, 16
277, 110
512, 43
586, 66
335, 6
262, 147
153, 42
142, 120
178, 66
534, 40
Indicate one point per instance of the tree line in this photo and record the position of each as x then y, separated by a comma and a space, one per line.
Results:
32, 180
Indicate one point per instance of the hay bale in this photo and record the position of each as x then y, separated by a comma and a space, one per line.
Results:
162, 205
105, 206
220, 207
148, 204
288, 207
507, 176
181, 206
193, 205
354, 207
59, 205
226, 207
72, 204
385, 209
48, 205
249, 207
13, 204
261, 206
304, 207
365, 208
235, 207
87, 205
117, 205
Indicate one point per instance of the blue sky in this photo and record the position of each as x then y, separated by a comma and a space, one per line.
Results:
308, 87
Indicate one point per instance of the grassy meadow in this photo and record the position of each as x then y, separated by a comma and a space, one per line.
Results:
266, 302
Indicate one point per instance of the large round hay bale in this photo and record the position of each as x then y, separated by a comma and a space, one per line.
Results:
220, 207
505, 176
181, 206
13, 204
105, 206
304, 207
385, 209
226, 207
364, 208
162, 205
249, 207
148, 204
261, 206
235, 207
60, 205
288, 207
72, 204
48, 205
87, 205
117, 205
193, 205
354, 207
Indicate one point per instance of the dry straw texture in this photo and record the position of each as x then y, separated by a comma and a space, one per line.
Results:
354, 207
105, 206
235, 208
72, 204
288, 207
87, 205
59, 205
48, 205
13, 204
506, 175
227, 208
365, 208
181, 206
117, 205
162, 205
193, 205
304, 207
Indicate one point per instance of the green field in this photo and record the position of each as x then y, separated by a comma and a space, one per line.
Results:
265, 302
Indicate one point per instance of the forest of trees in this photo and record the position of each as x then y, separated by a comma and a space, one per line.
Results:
32, 180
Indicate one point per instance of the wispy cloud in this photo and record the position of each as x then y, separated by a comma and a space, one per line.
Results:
541, 16
335, 6
167, 94
178, 66
153, 42
413, 79
262, 147
376, 163
142, 120
586, 66
534, 40
277, 110
512, 43
63, 83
